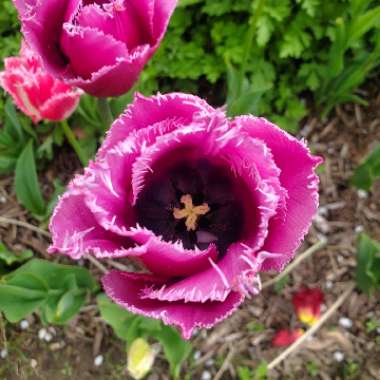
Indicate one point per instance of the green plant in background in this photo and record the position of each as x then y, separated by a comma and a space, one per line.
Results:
366, 174
258, 373
57, 291
270, 53
368, 264
130, 327
9, 259
299, 47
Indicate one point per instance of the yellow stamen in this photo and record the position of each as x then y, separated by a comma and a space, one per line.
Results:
190, 212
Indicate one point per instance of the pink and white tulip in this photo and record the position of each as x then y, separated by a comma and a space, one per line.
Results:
35, 92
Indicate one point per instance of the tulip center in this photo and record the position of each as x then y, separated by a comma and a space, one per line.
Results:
190, 212
195, 202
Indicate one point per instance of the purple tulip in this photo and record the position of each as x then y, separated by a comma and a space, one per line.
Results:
100, 46
202, 202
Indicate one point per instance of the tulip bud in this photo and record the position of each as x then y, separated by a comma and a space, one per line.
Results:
140, 358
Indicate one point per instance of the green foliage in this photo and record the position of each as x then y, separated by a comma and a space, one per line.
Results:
244, 373
28, 190
372, 325
280, 285
255, 327
13, 138
57, 291
9, 259
9, 40
366, 174
259, 373
312, 369
368, 264
129, 326
299, 47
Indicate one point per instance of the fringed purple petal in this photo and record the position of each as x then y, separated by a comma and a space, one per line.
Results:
170, 259
110, 198
118, 20
97, 50
236, 271
299, 179
76, 233
42, 25
125, 288
144, 112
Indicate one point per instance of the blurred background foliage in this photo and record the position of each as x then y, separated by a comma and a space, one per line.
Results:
305, 54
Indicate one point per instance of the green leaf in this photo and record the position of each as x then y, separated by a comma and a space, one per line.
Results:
176, 349
58, 291
244, 373
186, 3
366, 173
28, 190
10, 258
68, 305
10, 112
120, 319
368, 264
129, 327
280, 285
261, 372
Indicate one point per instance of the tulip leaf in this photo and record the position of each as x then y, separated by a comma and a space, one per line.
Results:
58, 291
10, 258
120, 319
366, 174
368, 264
28, 190
129, 327
176, 349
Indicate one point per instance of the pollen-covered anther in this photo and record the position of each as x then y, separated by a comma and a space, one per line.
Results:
190, 212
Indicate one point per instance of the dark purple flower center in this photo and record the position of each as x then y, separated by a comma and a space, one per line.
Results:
194, 202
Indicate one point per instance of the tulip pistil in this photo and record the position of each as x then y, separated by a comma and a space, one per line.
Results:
190, 212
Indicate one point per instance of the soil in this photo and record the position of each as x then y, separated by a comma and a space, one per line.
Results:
245, 338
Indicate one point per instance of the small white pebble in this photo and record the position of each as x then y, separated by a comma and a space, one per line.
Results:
42, 333
362, 194
3, 199
359, 229
33, 363
98, 361
378, 330
206, 375
197, 355
340, 258
338, 356
24, 324
48, 337
345, 322
3, 353
322, 211
209, 362
329, 284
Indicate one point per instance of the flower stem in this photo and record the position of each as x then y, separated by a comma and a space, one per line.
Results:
105, 112
74, 142
249, 42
